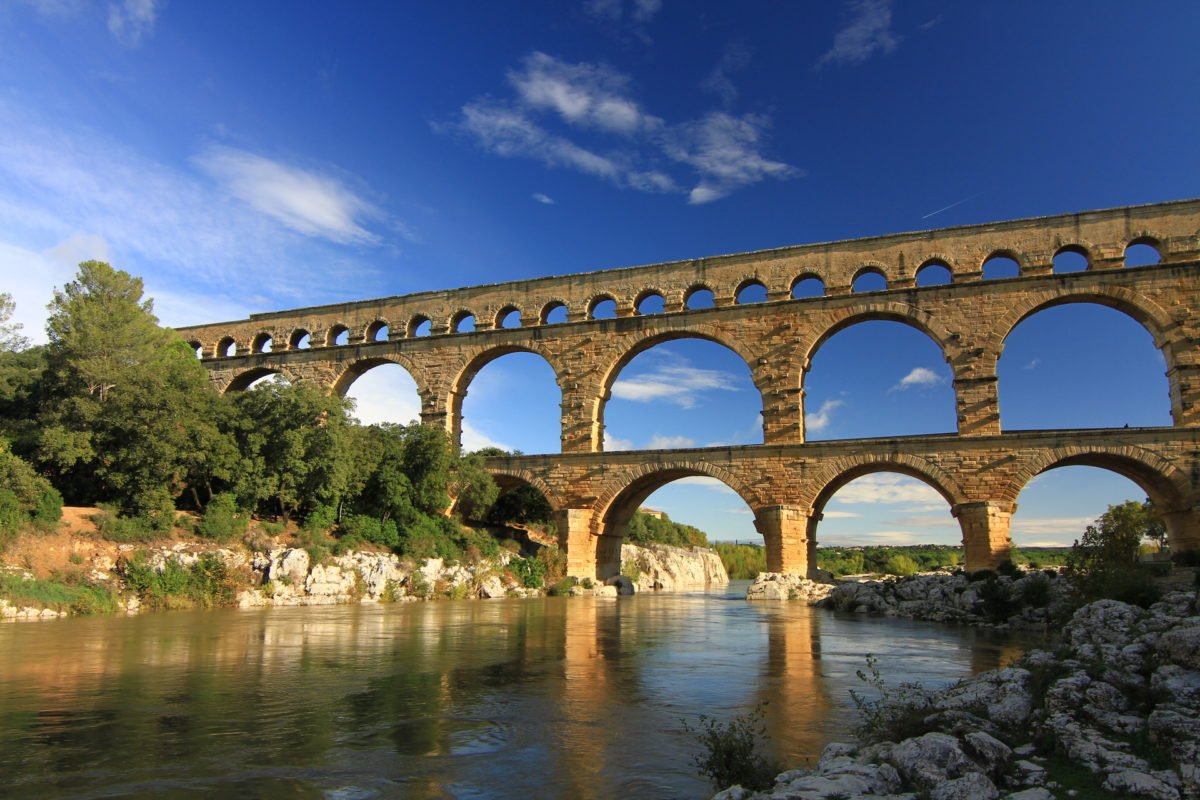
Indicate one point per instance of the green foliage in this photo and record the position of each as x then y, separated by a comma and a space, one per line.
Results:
523, 505
472, 486
11, 339
25, 496
1035, 591
1103, 563
899, 564
648, 529
732, 751
562, 587
128, 530
742, 561
997, 599
888, 713
205, 583
370, 529
222, 521
529, 571
77, 597
127, 413
631, 570
841, 562
320, 519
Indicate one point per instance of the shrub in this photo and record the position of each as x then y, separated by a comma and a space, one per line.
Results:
742, 561
1008, 569
731, 751
529, 571
1103, 563
370, 529
1035, 591
997, 599
127, 530
11, 514
631, 570
49, 509
892, 714
206, 582
555, 561
221, 521
320, 519
562, 587
76, 597
900, 565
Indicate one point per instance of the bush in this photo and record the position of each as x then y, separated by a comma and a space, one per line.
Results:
900, 565
731, 751
1035, 591
1008, 569
76, 598
320, 519
205, 583
369, 529
742, 561
893, 714
1103, 563
631, 570
127, 530
221, 521
529, 571
997, 599
12, 516
49, 509
562, 587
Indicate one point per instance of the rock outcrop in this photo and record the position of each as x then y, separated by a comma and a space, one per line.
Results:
779, 586
1120, 698
667, 568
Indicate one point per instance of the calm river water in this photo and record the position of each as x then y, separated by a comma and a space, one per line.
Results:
536, 698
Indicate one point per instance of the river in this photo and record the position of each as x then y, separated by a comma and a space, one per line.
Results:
548, 697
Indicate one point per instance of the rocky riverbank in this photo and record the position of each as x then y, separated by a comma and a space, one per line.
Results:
288, 576
1113, 712
1030, 600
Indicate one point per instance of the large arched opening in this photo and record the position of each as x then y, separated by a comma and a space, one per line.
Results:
884, 517
255, 378
522, 512
508, 398
678, 390
682, 506
1055, 506
383, 392
875, 376
1075, 363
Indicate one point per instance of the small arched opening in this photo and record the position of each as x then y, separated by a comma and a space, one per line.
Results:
699, 296
602, 307
553, 313
1143, 252
378, 331
420, 325
299, 340
197, 348
463, 322
934, 272
509, 317
1071, 258
751, 291
227, 347
808, 285
869, 279
263, 343
650, 301
1001, 264
337, 335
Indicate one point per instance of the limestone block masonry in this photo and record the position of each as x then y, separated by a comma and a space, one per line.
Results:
980, 470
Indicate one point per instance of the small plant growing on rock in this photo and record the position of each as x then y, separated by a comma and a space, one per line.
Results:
732, 751
889, 713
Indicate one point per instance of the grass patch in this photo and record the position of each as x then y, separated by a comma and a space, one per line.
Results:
205, 583
75, 597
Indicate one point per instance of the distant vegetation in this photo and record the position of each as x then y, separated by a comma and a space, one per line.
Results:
649, 529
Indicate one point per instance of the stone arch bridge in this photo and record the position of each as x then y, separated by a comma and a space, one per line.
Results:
980, 470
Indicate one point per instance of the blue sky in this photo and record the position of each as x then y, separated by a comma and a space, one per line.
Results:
245, 157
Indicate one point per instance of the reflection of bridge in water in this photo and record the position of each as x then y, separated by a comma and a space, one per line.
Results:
980, 470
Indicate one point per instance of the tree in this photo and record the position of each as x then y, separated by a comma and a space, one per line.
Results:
1103, 563
129, 415
11, 340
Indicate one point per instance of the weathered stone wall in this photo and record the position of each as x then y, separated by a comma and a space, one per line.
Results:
786, 481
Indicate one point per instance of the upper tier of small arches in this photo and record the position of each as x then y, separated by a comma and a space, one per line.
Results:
767, 284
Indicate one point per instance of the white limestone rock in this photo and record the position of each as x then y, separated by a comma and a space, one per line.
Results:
667, 568
779, 586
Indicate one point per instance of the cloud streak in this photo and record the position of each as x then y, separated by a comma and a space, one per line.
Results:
822, 418
919, 377
131, 21
678, 384
868, 32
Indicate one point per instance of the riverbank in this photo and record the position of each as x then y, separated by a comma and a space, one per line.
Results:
74, 573
1113, 712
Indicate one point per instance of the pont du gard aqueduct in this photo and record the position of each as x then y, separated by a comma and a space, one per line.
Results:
980, 470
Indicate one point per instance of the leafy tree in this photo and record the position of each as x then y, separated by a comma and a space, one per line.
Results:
647, 528
128, 413
11, 340
471, 485
1103, 563
522, 505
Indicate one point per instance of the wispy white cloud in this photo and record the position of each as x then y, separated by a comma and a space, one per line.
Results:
868, 32
819, 420
888, 488
734, 58
840, 515
921, 377
614, 445
680, 384
544, 199
706, 482
660, 442
625, 144
131, 21
614, 10
583, 95
1033, 364
305, 201
726, 151
1064, 529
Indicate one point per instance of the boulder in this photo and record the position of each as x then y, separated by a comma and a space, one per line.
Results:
670, 568
1181, 646
972, 786
931, 760
623, 584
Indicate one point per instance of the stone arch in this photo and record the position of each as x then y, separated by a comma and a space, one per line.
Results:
693, 289
646, 294
415, 323
1079, 247
1000, 253
832, 476
626, 490
262, 341
242, 381
459, 317
227, 347
914, 317
1155, 243
601, 297
372, 331
336, 330
805, 276
1163, 482
552, 305
498, 320
748, 282
356, 369
609, 376
517, 475
935, 262
872, 268
294, 341
477, 358
1141, 308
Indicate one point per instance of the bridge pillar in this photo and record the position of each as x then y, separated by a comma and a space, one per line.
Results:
977, 401
785, 531
1184, 380
576, 540
985, 530
579, 430
1183, 530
